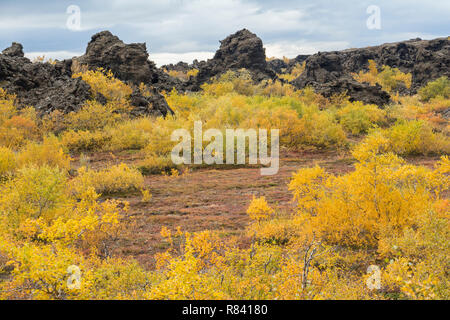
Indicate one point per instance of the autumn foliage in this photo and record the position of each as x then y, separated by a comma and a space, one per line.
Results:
61, 218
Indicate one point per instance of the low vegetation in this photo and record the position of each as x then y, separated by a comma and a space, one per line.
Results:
61, 218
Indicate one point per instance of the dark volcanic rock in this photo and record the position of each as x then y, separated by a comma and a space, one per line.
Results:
240, 50
180, 66
355, 90
128, 62
167, 83
155, 104
45, 86
327, 75
426, 60
280, 66
50, 87
65, 95
298, 59
16, 50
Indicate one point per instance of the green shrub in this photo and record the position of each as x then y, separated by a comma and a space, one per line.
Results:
359, 118
439, 87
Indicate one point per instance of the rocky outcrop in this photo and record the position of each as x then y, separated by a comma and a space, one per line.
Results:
355, 90
45, 86
426, 60
240, 50
152, 104
280, 66
51, 87
129, 63
180, 66
16, 50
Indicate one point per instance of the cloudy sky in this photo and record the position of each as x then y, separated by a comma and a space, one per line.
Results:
177, 30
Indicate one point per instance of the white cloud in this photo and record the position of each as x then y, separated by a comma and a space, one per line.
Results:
292, 49
167, 58
181, 47
55, 55
31, 21
189, 26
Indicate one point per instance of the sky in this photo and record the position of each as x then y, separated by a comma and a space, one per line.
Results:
183, 30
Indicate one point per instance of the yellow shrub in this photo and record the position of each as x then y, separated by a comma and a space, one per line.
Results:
146, 195
358, 118
278, 231
300, 121
130, 135
156, 164
370, 76
40, 272
103, 82
389, 78
16, 127
259, 209
50, 152
296, 72
239, 82
437, 104
416, 137
38, 208
7, 161
431, 111
116, 179
8, 106
181, 104
17, 130
92, 116
277, 88
310, 98
90, 225
53, 123
35, 192
381, 198
217, 89
418, 269
160, 143
117, 279
193, 73
320, 129
284, 119
308, 186
44, 232
413, 137
78, 141
182, 75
